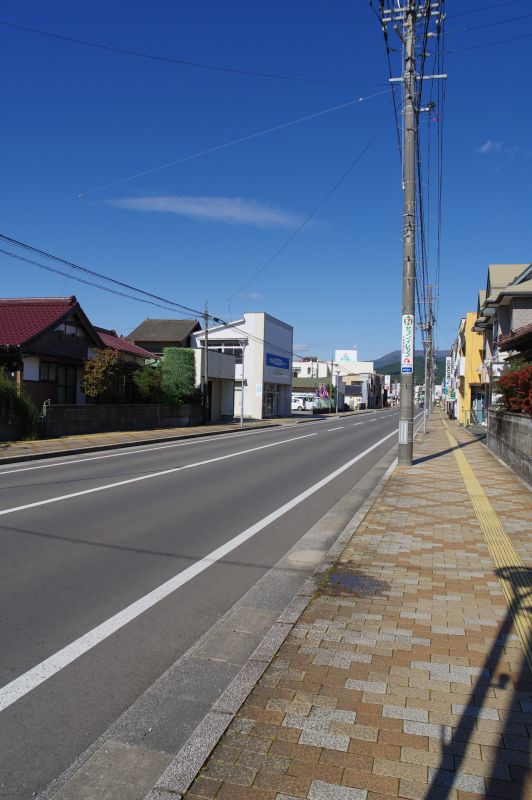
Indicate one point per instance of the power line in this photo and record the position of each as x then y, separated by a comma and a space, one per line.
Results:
314, 211
180, 61
488, 44
241, 139
69, 275
483, 8
93, 273
490, 24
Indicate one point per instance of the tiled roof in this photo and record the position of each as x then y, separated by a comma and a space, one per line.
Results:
115, 342
22, 318
515, 338
163, 330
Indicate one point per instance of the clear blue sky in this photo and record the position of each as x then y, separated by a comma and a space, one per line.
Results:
75, 118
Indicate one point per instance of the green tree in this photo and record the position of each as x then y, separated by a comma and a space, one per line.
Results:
101, 376
148, 383
178, 375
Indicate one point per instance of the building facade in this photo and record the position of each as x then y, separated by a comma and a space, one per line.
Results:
262, 346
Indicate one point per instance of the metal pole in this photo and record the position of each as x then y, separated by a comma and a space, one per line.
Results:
425, 388
242, 392
406, 413
429, 392
206, 368
336, 394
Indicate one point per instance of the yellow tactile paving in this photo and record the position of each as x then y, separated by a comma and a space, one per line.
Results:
505, 557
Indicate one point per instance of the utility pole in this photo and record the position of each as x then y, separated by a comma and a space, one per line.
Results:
206, 367
406, 410
406, 15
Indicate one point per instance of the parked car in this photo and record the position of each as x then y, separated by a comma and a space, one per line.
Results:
303, 402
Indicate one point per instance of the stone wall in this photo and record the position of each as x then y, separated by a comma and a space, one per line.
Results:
9, 431
510, 438
69, 420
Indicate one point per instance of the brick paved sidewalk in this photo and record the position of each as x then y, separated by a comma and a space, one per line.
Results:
406, 675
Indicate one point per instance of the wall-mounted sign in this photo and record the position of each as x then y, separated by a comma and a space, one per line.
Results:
407, 343
277, 361
448, 371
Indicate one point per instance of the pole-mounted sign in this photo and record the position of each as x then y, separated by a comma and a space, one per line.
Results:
407, 344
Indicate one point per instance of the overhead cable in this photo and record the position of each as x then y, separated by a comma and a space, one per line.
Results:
181, 61
314, 211
241, 139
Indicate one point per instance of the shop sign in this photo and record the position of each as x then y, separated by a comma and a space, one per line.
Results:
448, 371
407, 343
277, 361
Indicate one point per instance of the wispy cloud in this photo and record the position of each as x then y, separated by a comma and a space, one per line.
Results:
490, 146
235, 210
253, 296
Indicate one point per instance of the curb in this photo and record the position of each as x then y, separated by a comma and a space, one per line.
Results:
159, 440
183, 770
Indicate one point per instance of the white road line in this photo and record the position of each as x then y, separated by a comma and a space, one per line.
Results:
149, 476
25, 683
139, 451
338, 428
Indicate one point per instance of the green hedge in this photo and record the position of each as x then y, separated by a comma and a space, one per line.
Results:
17, 407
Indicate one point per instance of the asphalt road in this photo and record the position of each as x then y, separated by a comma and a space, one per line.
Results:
114, 564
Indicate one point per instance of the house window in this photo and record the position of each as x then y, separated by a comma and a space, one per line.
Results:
47, 372
69, 328
66, 384
231, 346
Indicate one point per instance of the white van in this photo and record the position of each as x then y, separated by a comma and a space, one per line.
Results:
303, 402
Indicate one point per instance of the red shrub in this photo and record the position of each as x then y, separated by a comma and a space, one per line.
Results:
516, 389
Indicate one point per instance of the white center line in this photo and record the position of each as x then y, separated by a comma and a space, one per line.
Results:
25, 683
338, 428
149, 476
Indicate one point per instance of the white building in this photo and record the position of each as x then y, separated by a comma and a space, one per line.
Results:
262, 346
221, 380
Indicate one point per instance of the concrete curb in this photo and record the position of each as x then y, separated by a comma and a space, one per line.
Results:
76, 451
184, 768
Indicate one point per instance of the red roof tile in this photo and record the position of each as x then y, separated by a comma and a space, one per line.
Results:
111, 339
22, 318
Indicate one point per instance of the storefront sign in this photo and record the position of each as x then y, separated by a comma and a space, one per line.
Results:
277, 361
407, 344
387, 383
448, 371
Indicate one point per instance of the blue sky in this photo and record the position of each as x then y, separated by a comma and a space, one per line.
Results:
76, 119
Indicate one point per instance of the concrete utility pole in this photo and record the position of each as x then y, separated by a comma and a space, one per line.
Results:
407, 15
406, 410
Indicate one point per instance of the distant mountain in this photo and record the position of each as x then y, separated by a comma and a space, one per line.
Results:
393, 368
395, 355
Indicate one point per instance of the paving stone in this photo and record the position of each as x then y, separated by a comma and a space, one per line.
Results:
375, 687
331, 791
320, 739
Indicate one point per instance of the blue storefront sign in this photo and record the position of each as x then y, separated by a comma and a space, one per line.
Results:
277, 361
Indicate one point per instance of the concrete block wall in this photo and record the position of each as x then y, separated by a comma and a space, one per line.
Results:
67, 420
510, 438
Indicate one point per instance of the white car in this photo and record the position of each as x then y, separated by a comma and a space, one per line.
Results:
303, 403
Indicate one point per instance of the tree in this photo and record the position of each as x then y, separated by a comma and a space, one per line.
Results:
178, 375
148, 383
101, 375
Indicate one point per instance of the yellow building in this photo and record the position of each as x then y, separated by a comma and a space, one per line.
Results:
468, 372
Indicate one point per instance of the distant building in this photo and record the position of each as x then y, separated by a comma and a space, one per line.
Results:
156, 334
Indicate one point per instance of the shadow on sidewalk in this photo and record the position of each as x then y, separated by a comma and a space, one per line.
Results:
440, 453
454, 751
